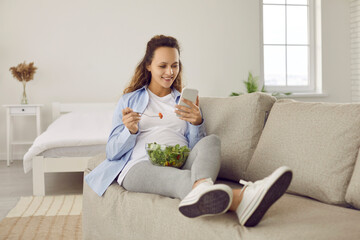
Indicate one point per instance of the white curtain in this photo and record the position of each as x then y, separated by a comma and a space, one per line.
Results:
355, 49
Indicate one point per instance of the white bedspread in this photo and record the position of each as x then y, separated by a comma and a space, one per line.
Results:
72, 129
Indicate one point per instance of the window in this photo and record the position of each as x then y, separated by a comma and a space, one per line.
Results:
288, 45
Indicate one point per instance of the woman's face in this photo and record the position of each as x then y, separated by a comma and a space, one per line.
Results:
164, 68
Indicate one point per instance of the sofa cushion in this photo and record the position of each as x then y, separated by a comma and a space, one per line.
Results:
238, 121
120, 214
318, 141
96, 160
353, 192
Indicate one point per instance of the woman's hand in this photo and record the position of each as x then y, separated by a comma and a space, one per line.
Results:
190, 114
130, 120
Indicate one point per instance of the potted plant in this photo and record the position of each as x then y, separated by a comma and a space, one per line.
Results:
24, 73
253, 86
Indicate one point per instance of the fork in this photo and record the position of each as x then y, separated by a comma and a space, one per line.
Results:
159, 115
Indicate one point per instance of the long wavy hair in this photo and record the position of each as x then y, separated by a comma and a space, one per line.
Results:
142, 76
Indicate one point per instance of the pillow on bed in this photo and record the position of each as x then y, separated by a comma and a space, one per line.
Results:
82, 128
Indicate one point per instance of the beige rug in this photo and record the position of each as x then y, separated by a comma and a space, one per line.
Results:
48, 217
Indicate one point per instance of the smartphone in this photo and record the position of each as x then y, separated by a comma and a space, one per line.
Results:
189, 94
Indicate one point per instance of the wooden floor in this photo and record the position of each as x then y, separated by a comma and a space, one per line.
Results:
14, 183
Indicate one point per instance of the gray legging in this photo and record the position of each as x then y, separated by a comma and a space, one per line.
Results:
203, 162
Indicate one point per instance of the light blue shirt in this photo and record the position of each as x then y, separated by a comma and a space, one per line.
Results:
121, 142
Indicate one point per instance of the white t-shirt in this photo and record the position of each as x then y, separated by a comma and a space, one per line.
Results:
168, 130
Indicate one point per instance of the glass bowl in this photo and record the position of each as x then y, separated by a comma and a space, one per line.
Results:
167, 155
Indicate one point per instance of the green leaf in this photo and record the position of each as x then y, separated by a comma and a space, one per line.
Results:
235, 94
251, 84
263, 89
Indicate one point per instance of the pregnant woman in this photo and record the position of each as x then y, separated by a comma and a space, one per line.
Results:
155, 87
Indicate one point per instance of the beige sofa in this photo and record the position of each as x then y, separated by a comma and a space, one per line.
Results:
319, 141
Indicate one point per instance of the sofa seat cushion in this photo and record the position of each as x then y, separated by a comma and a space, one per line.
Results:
120, 214
318, 141
95, 161
238, 121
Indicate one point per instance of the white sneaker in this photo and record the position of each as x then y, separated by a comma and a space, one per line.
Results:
206, 199
260, 195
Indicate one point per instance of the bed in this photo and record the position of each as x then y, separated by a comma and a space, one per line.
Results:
78, 132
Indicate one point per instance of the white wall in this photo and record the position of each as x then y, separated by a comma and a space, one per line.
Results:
86, 50
336, 50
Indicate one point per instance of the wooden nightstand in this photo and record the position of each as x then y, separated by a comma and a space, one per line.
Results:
20, 111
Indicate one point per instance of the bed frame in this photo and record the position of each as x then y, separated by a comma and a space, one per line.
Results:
42, 165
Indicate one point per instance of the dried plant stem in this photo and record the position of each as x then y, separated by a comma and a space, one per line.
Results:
24, 97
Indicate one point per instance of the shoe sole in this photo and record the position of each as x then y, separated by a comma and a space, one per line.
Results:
277, 189
211, 203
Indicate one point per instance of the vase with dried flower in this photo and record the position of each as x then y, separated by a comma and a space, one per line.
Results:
24, 73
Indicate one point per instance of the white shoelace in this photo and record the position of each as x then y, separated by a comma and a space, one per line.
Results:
245, 185
249, 183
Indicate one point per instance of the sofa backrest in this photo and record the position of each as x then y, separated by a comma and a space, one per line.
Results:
238, 121
318, 141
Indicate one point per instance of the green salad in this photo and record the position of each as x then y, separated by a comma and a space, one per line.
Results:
164, 155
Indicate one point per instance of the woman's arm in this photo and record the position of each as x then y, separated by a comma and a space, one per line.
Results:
120, 140
193, 115
195, 133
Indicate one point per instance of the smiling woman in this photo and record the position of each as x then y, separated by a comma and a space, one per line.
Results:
156, 88
158, 47
163, 73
